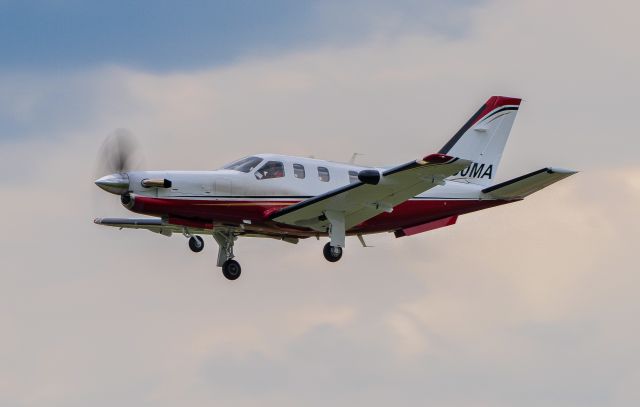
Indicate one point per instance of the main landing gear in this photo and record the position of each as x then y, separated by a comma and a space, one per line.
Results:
333, 250
332, 253
230, 268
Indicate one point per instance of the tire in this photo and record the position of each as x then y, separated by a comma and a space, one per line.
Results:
196, 244
231, 270
332, 254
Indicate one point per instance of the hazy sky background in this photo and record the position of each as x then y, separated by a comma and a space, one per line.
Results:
530, 304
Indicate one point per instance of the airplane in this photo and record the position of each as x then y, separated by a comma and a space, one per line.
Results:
291, 198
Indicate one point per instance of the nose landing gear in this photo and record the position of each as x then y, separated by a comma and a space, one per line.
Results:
196, 244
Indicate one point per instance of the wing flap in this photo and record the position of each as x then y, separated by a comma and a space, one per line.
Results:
527, 184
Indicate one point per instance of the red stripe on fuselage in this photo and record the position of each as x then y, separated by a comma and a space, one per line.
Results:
208, 211
221, 210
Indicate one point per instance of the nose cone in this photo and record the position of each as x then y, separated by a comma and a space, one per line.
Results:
115, 183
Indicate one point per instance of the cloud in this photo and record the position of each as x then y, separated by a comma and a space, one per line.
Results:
158, 36
530, 303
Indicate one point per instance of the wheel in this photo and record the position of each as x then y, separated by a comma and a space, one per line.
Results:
231, 269
332, 253
196, 244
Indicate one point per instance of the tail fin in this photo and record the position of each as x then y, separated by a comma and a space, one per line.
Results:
482, 140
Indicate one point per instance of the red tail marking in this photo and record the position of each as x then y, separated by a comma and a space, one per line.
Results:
495, 102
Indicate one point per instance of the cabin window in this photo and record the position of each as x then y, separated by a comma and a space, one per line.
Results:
353, 177
272, 169
298, 171
246, 164
323, 174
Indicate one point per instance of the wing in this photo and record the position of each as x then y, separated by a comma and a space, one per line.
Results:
375, 193
155, 225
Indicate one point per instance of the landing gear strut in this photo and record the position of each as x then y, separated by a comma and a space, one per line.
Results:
196, 244
333, 250
230, 268
332, 253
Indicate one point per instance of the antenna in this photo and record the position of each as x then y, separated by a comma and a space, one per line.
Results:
353, 158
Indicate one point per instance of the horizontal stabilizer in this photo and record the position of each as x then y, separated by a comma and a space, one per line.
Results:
525, 185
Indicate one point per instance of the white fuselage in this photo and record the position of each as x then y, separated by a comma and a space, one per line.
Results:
236, 184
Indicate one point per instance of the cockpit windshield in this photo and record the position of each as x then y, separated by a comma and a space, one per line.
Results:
244, 165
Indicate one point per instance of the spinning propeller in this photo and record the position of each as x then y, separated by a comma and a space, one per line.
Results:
118, 155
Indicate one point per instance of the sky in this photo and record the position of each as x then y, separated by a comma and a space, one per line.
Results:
529, 304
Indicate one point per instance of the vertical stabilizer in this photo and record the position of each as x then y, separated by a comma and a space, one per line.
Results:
482, 140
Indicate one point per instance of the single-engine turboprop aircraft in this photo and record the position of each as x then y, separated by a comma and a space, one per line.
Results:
291, 198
